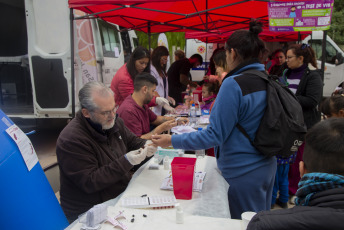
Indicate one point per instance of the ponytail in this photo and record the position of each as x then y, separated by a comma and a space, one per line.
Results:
246, 43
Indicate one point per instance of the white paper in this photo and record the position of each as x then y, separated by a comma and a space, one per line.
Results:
6, 121
96, 215
204, 119
182, 129
25, 146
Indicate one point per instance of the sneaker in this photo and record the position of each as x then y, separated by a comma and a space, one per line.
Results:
282, 205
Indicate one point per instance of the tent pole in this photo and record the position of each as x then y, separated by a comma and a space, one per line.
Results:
205, 59
149, 37
299, 37
206, 40
323, 55
72, 60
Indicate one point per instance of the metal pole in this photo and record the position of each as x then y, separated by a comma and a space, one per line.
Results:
206, 40
149, 37
72, 61
299, 37
219, 7
323, 55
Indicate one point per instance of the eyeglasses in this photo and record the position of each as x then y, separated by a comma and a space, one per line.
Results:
289, 57
107, 113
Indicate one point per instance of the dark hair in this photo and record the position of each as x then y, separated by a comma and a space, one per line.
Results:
279, 51
332, 105
324, 147
219, 59
211, 67
246, 43
159, 52
306, 52
139, 53
144, 79
212, 86
199, 58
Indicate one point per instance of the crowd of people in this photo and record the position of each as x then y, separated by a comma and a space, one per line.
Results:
119, 128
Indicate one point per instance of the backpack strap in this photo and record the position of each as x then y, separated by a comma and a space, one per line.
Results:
262, 75
243, 131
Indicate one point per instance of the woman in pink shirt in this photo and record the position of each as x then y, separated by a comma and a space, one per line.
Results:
122, 83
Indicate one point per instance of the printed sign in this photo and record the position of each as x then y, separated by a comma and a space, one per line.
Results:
86, 50
25, 146
300, 16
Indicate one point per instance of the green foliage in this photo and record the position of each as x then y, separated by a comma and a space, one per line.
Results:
336, 32
174, 39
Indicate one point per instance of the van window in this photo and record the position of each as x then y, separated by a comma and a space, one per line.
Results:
331, 52
126, 45
110, 40
136, 42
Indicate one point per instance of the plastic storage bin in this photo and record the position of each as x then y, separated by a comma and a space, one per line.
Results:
26, 198
183, 170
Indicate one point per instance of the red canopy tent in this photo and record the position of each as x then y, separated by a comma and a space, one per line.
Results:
214, 19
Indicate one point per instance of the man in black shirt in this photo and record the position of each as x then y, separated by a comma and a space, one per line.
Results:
178, 76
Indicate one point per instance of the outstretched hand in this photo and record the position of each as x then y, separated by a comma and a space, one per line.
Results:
163, 140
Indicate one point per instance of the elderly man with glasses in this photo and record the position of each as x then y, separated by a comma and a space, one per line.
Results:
96, 152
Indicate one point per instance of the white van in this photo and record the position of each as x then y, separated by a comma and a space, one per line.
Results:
35, 57
334, 66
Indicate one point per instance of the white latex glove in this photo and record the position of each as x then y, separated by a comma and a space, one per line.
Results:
151, 148
171, 100
161, 101
168, 108
135, 157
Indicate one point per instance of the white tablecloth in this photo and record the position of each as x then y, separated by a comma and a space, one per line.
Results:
206, 210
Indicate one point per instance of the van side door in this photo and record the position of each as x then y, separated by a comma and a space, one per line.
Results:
49, 57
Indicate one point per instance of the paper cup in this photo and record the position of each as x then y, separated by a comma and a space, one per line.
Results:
246, 218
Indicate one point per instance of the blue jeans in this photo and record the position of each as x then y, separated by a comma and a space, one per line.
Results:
252, 191
281, 184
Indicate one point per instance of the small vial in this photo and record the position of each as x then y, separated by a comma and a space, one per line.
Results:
179, 214
200, 153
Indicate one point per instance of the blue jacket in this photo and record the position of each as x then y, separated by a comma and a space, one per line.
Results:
242, 99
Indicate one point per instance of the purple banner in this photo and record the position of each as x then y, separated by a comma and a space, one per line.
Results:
300, 16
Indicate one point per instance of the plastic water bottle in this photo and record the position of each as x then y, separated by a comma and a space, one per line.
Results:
193, 111
192, 118
199, 111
